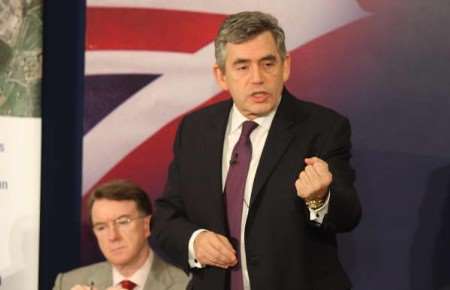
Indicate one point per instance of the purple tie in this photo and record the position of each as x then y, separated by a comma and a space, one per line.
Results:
234, 193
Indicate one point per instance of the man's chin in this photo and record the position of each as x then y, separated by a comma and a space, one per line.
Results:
260, 110
117, 256
118, 261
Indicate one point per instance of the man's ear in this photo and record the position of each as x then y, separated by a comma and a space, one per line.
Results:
286, 67
220, 76
147, 230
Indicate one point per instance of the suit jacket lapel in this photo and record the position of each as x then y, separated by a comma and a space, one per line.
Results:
281, 133
214, 134
214, 138
158, 278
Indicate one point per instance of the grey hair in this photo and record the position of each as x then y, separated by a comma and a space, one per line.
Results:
243, 26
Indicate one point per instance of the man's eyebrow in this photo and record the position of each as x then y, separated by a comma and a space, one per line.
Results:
270, 57
122, 216
240, 61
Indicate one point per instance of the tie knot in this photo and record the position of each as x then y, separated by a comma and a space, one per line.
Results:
247, 128
127, 284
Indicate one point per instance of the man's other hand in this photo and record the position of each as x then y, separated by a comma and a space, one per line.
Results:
214, 250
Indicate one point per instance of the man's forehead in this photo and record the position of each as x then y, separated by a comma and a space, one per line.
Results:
253, 49
106, 208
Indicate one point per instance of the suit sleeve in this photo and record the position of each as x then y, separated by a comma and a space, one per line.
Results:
171, 229
344, 207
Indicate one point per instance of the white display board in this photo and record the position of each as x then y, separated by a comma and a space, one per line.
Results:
20, 161
20, 142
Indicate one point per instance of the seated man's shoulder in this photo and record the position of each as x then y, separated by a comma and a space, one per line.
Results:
89, 269
177, 274
178, 279
82, 275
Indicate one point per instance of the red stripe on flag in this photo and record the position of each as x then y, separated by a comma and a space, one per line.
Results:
149, 29
147, 164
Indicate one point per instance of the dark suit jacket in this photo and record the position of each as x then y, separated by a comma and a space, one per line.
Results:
284, 249
162, 276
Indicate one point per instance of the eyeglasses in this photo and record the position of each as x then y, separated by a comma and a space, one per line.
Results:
121, 223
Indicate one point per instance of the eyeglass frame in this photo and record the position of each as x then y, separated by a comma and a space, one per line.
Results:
118, 223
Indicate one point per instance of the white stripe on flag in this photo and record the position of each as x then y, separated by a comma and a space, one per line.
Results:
145, 113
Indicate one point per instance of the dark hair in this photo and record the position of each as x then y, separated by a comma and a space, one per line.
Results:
121, 190
243, 26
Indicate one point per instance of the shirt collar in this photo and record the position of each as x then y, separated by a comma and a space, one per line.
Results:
236, 119
139, 277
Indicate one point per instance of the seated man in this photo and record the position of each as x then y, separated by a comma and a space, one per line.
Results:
120, 215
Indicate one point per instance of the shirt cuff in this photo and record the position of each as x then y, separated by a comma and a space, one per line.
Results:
317, 215
193, 263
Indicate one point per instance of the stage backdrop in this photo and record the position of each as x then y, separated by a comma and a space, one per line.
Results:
382, 64
20, 142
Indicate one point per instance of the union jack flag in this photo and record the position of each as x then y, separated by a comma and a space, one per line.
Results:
150, 62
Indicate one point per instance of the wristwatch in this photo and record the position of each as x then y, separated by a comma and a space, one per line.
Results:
315, 203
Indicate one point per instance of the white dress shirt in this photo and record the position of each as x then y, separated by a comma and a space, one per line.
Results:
139, 277
258, 138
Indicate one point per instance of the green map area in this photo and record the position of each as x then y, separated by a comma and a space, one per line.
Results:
20, 57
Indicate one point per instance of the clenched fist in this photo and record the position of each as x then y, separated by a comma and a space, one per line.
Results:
313, 182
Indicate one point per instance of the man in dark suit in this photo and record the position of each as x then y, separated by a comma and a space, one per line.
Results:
260, 185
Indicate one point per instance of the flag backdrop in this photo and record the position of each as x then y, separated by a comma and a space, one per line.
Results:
150, 62
20, 142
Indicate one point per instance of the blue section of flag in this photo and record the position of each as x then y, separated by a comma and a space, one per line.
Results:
104, 93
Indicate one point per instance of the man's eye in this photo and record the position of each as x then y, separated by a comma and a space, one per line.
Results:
123, 221
269, 64
99, 228
242, 67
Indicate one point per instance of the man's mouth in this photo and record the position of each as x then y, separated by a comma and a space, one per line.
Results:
259, 96
117, 250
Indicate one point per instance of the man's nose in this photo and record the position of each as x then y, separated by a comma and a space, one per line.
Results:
113, 232
256, 75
